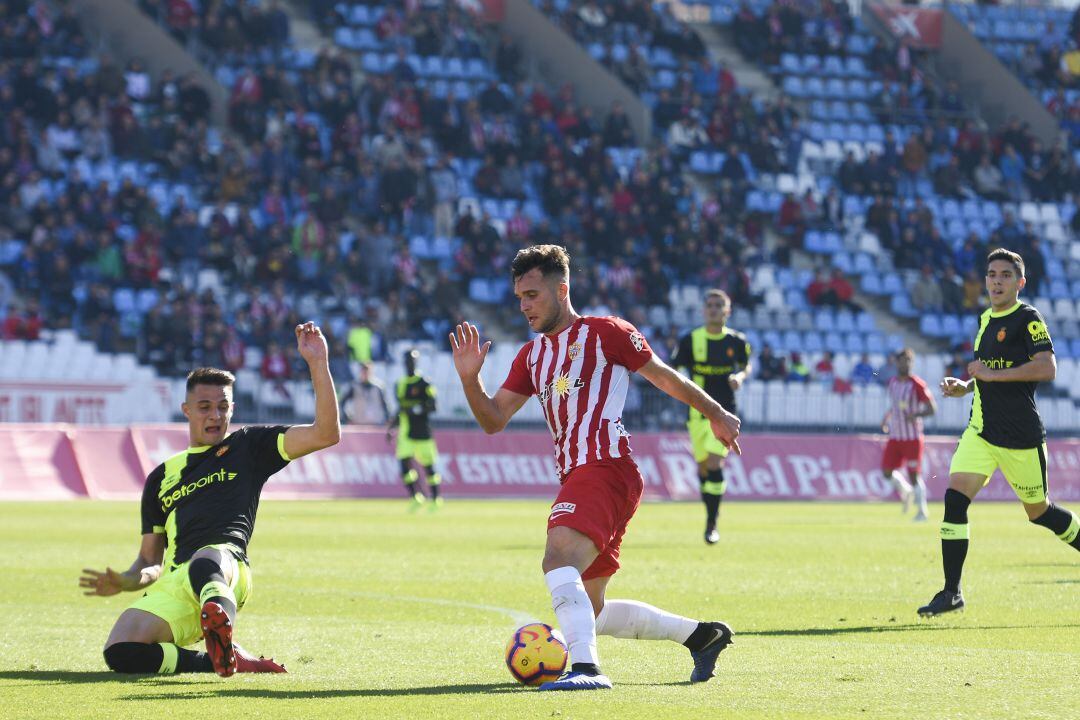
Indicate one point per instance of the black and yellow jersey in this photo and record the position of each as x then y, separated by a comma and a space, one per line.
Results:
416, 403
709, 359
1004, 413
208, 495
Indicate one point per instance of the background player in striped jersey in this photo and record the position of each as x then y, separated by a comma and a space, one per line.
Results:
909, 402
579, 369
717, 359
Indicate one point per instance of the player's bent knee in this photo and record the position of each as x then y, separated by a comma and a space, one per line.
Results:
1036, 510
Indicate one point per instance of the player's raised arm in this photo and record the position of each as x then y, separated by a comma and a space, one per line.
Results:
725, 425
301, 440
142, 573
493, 413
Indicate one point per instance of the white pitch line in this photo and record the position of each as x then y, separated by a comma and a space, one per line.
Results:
519, 617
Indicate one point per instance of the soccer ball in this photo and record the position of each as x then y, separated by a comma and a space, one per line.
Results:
535, 654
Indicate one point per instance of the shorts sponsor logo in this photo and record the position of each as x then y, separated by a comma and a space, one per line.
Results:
563, 508
637, 340
1038, 332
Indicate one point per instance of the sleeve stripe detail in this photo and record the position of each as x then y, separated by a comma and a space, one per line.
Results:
281, 447
159, 530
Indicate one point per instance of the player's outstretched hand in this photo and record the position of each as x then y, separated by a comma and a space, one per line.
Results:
953, 387
310, 343
105, 583
469, 355
726, 430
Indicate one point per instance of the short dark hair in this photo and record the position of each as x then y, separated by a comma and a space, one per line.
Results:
716, 292
1007, 256
210, 376
552, 260
905, 352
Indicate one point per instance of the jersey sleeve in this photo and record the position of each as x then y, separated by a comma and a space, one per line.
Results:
744, 350
266, 444
681, 358
153, 517
1037, 336
623, 343
518, 380
922, 393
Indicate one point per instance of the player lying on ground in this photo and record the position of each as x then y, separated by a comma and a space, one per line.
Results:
1013, 354
579, 369
198, 514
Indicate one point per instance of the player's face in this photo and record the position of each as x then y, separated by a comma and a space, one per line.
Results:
209, 409
716, 311
903, 364
1003, 284
539, 300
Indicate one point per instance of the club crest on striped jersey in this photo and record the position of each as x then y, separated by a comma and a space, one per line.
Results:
637, 340
562, 386
573, 351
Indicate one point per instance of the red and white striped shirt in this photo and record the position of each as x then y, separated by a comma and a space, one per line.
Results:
580, 376
906, 395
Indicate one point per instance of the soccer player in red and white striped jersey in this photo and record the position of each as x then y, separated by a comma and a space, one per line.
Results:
909, 402
579, 370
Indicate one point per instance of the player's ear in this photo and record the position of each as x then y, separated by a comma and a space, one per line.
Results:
184, 409
1023, 281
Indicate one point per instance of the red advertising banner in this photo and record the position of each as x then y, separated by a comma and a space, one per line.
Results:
919, 27
38, 464
111, 463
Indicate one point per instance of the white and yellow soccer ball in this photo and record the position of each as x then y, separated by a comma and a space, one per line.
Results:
536, 654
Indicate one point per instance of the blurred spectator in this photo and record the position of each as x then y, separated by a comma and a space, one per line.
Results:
798, 371
863, 373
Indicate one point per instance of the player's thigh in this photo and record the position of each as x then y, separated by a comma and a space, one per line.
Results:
141, 626
222, 557
708, 451
426, 452
568, 546
1025, 471
404, 449
972, 464
172, 600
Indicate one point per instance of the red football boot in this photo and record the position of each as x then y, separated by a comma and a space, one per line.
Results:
248, 663
217, 632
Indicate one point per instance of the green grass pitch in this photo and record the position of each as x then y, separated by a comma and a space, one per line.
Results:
378, 613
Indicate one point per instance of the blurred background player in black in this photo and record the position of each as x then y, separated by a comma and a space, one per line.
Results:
717, 359
416, 403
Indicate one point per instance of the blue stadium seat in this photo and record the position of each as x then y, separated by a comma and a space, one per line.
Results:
951, 327
901, 305
870, 283
824, 320
812, 342
833, 65
835, 88
930, 325
843, 262
793, 86
875, 343
854, 343
845, 321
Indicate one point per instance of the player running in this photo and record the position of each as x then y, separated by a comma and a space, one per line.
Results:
416, 403
198, 514
579, 369
1013, 354
909, 402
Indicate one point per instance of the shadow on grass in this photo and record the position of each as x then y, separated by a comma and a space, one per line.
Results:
66, 677
224, 690
929, 625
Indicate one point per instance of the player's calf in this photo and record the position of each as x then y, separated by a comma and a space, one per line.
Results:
1062, 523
154, 658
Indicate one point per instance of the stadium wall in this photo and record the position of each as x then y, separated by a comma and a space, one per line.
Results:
55, 462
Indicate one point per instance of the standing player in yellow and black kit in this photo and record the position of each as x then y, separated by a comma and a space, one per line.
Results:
1013, 354
718, 360
416, 403
198, 514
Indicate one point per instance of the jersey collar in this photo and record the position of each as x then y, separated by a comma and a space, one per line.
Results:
199, 448
715, 336
1003, 313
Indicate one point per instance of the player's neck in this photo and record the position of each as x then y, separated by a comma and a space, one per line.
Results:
715, 329
568, 318
1007, 305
